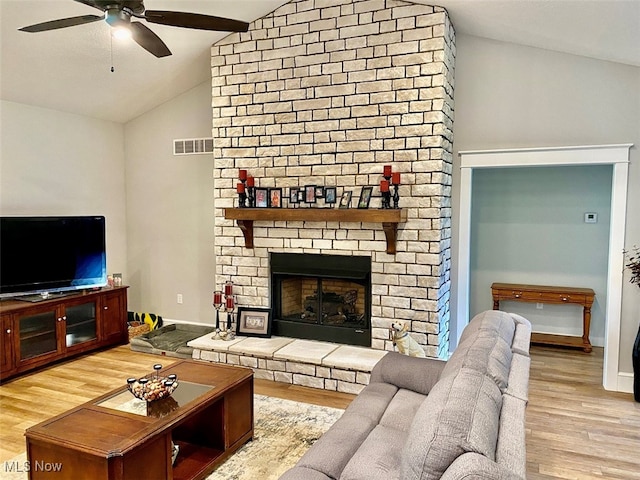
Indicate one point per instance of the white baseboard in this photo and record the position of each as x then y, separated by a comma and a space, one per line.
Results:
171, 321
625, 382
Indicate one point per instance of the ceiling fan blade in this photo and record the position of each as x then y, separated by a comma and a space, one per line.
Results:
148, 40
62, 23
195, 20
90, 3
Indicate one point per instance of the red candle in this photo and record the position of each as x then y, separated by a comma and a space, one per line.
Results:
217, 298
250, 181
384, 186
396, 178
229, 303
387, 171
240, 187
228, 288
243, 175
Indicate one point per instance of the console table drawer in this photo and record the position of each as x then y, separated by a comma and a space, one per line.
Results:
541, 297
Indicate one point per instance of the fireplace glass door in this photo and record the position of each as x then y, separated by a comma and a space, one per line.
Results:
329, 303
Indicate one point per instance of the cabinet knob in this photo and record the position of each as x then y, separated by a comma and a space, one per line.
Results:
59, 319
564, 299
105, 307
8, 330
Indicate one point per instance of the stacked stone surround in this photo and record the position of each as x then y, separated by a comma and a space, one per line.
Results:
327, 92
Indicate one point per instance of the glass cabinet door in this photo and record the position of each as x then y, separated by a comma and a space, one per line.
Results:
81, 323
37, 334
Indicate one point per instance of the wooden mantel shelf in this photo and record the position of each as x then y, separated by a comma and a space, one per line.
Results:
390, 218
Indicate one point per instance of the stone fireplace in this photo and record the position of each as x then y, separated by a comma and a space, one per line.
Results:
325, 93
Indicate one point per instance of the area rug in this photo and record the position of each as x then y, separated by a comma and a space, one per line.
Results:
283, 431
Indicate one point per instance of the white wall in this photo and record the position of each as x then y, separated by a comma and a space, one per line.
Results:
55, 163
510, 96
528, 227
170, 211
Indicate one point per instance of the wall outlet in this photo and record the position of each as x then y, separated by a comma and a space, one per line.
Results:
539, 306
179, 300
591, 217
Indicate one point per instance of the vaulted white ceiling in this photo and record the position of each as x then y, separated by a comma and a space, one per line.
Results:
70, 69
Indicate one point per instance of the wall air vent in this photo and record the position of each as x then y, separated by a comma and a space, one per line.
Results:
192, 146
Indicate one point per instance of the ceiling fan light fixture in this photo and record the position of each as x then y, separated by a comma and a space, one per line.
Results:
117, 17
121, 33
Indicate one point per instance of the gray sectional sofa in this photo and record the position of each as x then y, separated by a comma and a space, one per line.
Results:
423, 418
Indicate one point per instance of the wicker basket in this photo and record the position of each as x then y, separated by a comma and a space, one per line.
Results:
137, 328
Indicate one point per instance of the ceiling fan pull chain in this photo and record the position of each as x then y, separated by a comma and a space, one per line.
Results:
111, 40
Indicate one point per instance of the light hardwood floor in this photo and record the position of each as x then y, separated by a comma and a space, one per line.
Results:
575, 429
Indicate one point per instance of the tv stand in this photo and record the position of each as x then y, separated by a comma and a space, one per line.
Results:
44, 296
35, 335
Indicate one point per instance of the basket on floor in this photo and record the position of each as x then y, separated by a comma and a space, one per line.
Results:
137, 328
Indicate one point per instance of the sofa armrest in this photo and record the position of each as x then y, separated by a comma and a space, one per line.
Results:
411, 373
473, 466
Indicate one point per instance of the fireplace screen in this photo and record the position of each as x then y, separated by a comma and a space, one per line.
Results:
322, 297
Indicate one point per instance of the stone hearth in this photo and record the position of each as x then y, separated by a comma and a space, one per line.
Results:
328, 366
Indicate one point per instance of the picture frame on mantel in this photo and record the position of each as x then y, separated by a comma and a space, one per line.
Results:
345, 200
365, 197
275, 198
254, 322
262, 197
330, 195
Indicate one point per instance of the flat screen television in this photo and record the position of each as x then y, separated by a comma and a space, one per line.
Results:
44, 255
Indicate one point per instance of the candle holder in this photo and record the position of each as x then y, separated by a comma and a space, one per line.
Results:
217, 303
229, 306
386, 199
242, 200
252, 197
230, 333
396, 186
396, 196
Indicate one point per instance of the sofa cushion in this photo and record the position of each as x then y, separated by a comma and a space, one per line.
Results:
472, 466
400, 411
373, 400
510, 450
485, 352
519, 377
342, 440
461, 414
378, 458
500, 323
304, 473
333, 450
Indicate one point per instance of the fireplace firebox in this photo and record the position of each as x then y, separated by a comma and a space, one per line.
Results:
322, 297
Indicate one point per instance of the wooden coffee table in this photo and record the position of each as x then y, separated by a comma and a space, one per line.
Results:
209, 416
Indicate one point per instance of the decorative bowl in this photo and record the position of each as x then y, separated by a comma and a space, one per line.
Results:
153, 387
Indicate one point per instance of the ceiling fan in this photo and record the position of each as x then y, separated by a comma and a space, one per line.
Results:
118, 13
